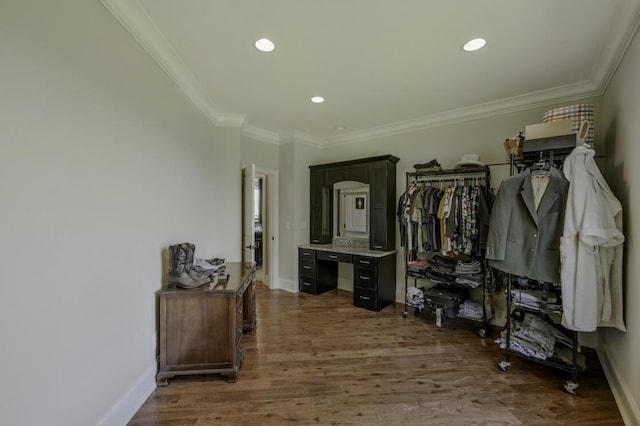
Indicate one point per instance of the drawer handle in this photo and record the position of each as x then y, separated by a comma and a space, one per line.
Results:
364, 278
366, 262
377, 246
365, 297
306, 253
315, 241
306, 267
333, 256
307, 284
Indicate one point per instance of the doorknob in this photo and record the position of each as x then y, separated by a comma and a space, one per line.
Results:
250, 247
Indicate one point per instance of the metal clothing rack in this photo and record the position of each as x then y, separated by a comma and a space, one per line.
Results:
569, 386
471, 176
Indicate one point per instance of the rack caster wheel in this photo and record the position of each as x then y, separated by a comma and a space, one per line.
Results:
504, 365
570, 387
404, 314
482, 333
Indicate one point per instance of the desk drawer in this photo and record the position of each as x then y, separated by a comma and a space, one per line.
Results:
307, 284
307, 267
363, 277
365, 262
306, 253
333, 256
364, 298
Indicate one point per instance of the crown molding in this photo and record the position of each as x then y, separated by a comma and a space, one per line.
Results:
229, 119
137, 22
307, 139
301, 138
261, 134
545, 97
615, 47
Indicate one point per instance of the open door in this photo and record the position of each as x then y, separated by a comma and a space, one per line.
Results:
248, 209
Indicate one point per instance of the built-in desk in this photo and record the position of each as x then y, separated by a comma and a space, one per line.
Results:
374, 273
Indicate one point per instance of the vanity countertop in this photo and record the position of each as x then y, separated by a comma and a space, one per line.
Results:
362, 251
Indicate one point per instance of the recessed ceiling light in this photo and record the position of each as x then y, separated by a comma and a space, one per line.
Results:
265, 45
317, 99
475, 44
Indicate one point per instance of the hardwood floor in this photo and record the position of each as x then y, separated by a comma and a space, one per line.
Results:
319, 360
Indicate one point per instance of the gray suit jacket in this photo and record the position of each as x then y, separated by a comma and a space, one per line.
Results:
523, 241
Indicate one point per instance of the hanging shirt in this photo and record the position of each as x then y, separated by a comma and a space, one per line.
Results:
539, 184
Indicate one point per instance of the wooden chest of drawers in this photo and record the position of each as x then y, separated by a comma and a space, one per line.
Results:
201, 329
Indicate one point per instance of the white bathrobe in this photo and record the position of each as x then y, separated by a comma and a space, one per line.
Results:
590, 248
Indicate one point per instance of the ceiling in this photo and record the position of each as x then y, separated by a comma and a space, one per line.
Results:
383, 66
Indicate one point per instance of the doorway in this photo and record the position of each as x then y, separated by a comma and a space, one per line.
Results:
259, 220
265, 225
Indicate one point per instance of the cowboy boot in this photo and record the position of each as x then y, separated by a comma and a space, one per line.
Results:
190, 250
177, 271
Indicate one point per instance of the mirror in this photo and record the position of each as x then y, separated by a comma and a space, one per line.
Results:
351, 210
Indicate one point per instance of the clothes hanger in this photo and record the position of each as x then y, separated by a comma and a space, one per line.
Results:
541, 167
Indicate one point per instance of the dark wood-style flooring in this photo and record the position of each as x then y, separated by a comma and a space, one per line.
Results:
319, 360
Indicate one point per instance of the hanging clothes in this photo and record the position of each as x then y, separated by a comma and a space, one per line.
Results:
524, 240
451, 221
591, 248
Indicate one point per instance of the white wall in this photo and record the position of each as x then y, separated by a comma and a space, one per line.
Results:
264, 155
294, 161
222, 234
286, 219
621, 351
103, 163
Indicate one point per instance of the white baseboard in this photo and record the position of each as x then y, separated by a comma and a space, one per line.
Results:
124, 410
288, 285
628, 407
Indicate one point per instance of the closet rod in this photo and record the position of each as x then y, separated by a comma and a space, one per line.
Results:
447, 177
480, 179
447, 173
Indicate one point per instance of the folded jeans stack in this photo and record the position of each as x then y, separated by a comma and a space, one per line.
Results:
418, 267
535, 338
441, 270
469, 274
533, 299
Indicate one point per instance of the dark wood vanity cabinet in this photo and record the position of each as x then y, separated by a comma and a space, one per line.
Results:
321, 208
374, 281
314, 275
380, 174
374, 277
382, 220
